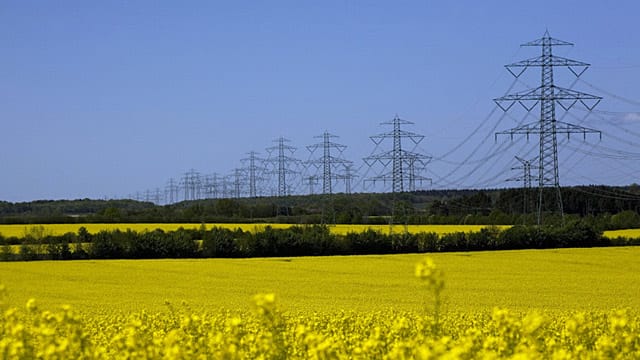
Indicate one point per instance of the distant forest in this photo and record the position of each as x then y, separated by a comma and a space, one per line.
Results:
605, 207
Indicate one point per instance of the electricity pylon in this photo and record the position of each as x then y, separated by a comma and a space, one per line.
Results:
210, 185
312, 181
253, 170
237, 182
157, 196
171, 191
347, 176
328, 162
526, 178
547, 95
404, 163
282, 163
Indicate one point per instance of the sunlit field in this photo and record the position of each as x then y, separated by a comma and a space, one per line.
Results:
60, 229
561, 304
558, 280
626, 233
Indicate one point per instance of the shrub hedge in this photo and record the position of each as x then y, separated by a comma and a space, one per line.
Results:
306, 240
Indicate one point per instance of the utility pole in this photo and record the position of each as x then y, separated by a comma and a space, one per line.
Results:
548, 95
403, 162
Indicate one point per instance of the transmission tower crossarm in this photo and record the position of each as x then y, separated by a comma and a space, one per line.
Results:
415, 155
524, 161
543, 61
383, 155
416, 138
329, 144
547, 40
560, 127
566, 98
559, 93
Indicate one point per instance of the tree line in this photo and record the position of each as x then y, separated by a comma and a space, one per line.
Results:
306, 240
604, 206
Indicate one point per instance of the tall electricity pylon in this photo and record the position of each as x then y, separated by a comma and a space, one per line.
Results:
225, 185
157, 196
349, 175
312, 181
171, 191
328, 162
547, 95
282, 163
254, 171
210, 186
404, 163
148, 196
237, 182
192, 184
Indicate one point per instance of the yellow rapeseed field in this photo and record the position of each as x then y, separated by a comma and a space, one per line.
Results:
555, 279
544, 304
60, 229
19, 230
626, 233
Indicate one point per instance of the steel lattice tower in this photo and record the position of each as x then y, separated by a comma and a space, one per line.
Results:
147, 195
225, 184
312, 181
253, 171
172, 191
548, 95
157, 196
192, 184
400, 159
526, 167
328, 162
282, 163
526, 178
209, 186
237, 182
348, 176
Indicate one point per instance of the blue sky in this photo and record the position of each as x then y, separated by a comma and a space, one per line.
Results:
105, 99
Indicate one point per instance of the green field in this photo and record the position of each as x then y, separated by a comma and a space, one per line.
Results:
550, 280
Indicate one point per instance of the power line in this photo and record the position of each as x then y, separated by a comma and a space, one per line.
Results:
547, 95
254, 170
171, 191
330, 162
282, 163
406, 165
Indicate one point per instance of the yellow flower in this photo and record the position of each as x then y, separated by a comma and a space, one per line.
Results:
31, 305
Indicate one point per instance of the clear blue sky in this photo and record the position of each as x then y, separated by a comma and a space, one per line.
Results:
106, 98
